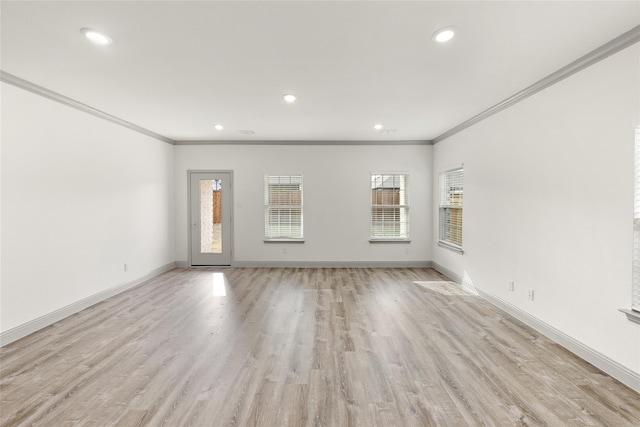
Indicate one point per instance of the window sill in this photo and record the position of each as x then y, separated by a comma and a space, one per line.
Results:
389, 241
283, 240
633, 316
451, 247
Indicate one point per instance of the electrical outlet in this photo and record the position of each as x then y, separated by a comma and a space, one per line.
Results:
512, 285
530, 294
126, 267
284, 250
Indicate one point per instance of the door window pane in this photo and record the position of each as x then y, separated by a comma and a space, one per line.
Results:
211, 216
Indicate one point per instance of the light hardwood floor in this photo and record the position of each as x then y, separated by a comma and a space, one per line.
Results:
317, 347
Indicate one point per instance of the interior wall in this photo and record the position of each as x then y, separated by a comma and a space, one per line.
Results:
80, 198
336, 200
548, 203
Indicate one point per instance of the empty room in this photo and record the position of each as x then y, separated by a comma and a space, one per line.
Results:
320, 213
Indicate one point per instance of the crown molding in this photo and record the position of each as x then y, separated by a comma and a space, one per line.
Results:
70, 102
300, 142
619, 43
55, 96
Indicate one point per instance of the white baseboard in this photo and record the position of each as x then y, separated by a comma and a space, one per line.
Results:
323, 264
611, 367
34, 325
443, 270
597, 359
334, 264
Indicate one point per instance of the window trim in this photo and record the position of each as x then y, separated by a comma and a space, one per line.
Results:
267, 206
635, 281
406, 205
453, 248
444, 243
390, 240
633, 314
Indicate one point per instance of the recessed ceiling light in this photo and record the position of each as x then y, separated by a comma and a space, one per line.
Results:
443, 35
377, 127
96, 37
218, 127
289, 98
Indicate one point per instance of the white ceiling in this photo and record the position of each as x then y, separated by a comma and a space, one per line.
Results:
179, 67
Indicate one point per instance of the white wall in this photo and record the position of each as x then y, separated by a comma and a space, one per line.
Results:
80, 197
336, 199
549, 204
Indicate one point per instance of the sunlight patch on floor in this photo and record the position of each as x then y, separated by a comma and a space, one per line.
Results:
444, 288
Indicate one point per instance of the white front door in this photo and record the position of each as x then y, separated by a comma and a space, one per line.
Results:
210, 199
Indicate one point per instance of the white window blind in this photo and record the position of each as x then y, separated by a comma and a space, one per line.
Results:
450, 208
283, 207
389, 206
635, 292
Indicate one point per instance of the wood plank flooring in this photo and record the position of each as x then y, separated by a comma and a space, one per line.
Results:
301, 347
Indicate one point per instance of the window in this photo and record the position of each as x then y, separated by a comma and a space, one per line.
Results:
389, 207
635, 292
283, 207
450, 214
634, 314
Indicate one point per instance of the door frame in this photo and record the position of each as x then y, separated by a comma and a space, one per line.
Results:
230, 201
